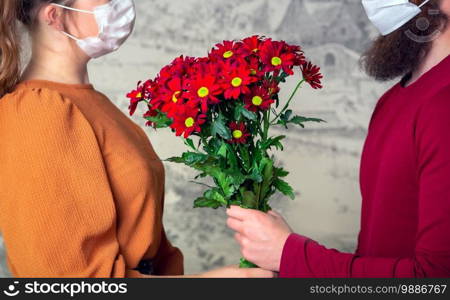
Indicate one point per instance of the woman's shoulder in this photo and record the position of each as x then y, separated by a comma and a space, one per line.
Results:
32, 106
42, 97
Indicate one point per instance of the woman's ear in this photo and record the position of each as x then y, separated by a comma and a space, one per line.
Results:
51, 15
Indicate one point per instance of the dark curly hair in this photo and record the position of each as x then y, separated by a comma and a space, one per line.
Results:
398, 54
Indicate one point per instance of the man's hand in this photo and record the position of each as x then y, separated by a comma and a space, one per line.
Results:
236, 272
261, 236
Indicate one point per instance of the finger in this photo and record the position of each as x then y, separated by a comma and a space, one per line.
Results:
238, 237
260, 273
274, 213
235, 224
240, 213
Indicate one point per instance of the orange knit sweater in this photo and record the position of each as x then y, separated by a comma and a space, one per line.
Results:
81, 188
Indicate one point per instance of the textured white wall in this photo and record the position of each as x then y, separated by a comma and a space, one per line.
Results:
323, 159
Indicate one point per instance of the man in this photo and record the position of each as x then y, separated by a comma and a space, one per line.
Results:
405, 167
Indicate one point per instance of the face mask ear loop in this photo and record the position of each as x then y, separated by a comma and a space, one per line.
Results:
74, 9
71, 36
425, 2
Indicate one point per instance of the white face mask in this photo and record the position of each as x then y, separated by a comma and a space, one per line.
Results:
115, 21
390, 15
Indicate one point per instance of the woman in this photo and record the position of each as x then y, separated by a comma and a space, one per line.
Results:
81, 188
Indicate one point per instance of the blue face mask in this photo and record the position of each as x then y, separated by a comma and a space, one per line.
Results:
390, 15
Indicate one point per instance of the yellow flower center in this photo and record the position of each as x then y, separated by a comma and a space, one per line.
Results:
175, 96
276, 61
203, 92
236, 82
228, 54
139, 95
257, 100
255, 50
237, 134
189, 122
253, 71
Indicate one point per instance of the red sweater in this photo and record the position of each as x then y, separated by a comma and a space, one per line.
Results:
405, 188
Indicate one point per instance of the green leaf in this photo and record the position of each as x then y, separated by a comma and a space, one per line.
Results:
258, 152
189, 158
273, 142
249, 199
219, 128
282, 77
214, 194
232, 157
287, 115
193, 157
283, 123
256, 174
245, 264
286, 119
268, 177
204, 202
190, 143
161, 120
208, 167
226, 183
280, 172
240, 111
299, 120
245, 156
223, 150
178, 160
248, 114
213, 146
211, 198
284, 188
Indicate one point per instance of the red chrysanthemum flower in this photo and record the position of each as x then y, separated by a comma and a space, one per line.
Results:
298, 53
178, 67
188, 120
135, 97
271, 86
204, 67
239, 133
204, 90
237, 78
181, 65
226, 50
277, 56
254, 63
170, 96
250, 46
258, 99
312, 75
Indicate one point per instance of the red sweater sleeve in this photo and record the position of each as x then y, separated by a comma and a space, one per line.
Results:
303, 257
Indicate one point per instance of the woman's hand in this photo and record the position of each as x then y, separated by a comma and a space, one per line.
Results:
261, 236
236, 272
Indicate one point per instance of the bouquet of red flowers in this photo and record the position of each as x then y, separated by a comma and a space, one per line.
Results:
224, 106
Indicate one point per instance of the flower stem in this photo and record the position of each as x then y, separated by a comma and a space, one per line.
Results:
266, 126
289, 102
